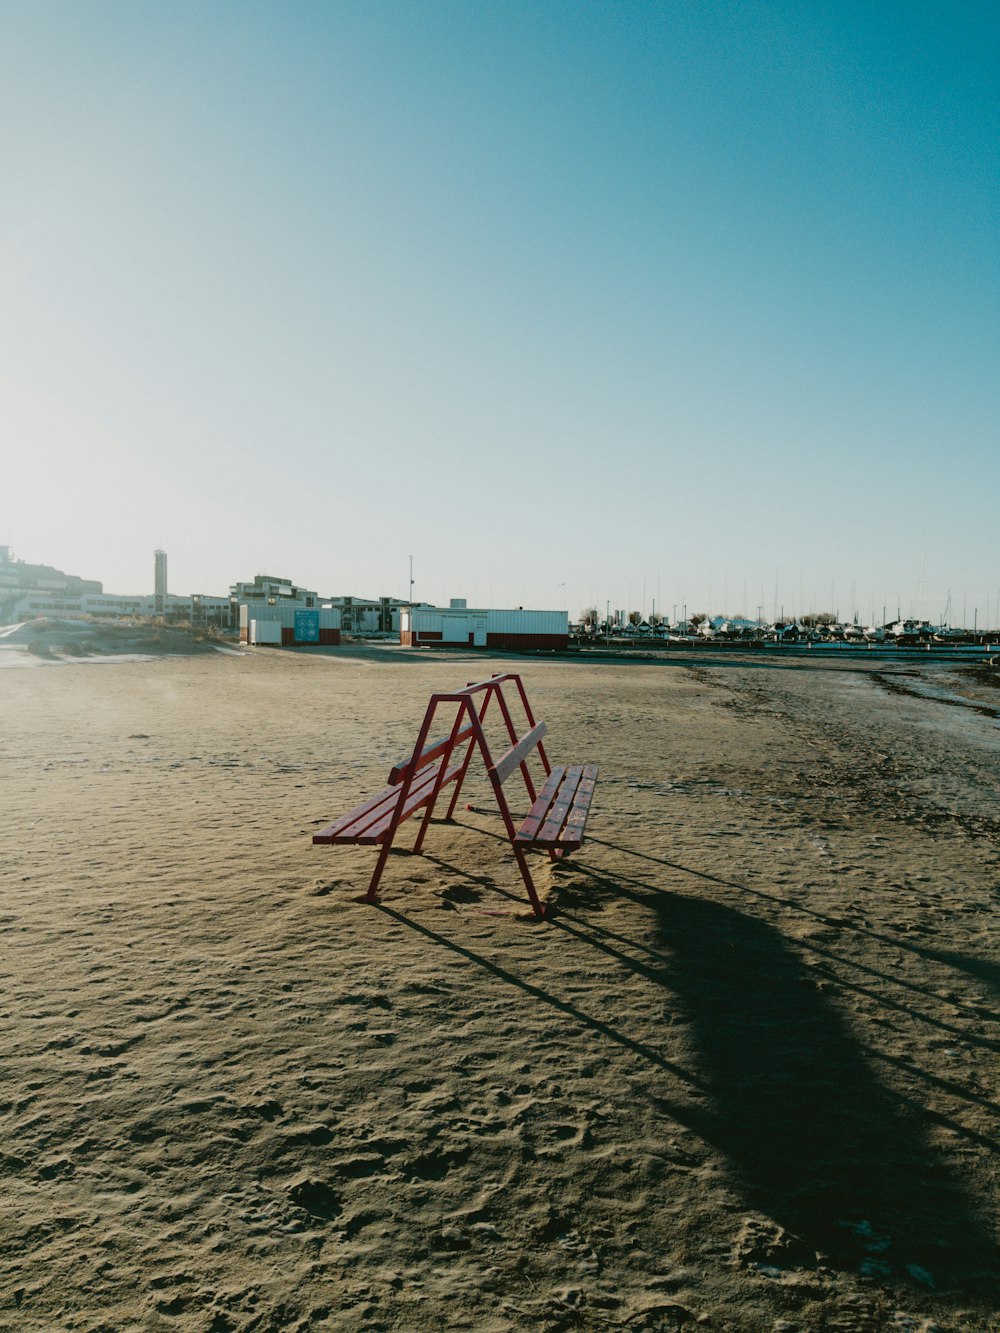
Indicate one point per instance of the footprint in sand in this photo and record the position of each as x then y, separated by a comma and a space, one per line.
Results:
317, 1198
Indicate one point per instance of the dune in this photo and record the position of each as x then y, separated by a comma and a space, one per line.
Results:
54, 641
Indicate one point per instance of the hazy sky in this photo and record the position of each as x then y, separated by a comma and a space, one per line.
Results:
572, 302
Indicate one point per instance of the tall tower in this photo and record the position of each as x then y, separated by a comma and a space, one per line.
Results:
159, 583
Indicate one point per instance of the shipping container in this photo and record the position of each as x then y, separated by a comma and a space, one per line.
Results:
264, 631
316, 625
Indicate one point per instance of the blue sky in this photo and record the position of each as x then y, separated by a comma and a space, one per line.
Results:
572, 303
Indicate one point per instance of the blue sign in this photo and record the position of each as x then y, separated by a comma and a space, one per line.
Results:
307, 627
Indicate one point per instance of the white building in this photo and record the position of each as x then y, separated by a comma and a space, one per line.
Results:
457, 625
38, 590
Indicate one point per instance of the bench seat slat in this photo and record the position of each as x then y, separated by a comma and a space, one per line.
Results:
368, 823
536, 816
550, 830
576, 820
370, 807
414, 800
559, 815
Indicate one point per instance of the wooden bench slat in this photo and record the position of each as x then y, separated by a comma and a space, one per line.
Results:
576, 820
360, 829
416, 797
367, 822
536, 816
380, 798
518, 752
351, 827
550, 830
559, 816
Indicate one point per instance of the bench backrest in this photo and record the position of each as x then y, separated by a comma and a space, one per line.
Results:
467, 731
517, 754
427, 756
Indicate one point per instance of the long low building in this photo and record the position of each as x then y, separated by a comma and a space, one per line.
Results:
459, 626
289, 623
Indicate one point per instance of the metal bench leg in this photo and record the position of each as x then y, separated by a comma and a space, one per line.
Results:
383, 856
425, 822
529, 883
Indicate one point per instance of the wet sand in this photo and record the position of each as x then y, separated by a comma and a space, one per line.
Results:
745, 1075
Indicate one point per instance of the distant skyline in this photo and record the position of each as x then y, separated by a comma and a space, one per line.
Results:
575, 304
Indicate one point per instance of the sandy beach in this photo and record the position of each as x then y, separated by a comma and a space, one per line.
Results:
744, 1076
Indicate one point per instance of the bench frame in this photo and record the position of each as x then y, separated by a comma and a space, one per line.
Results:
558, 813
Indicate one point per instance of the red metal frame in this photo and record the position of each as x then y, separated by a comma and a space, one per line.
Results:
368, 823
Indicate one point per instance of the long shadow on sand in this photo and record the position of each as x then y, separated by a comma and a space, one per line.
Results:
782, 1089
983, 970
814, 1140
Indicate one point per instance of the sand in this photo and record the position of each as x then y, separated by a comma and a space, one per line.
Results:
745, 1076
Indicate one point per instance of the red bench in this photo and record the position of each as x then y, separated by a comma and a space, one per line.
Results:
558, 815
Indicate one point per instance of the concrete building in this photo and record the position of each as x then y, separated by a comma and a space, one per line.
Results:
457, 625
39, 590
108, 604
28, 591
206, 609
273, 591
